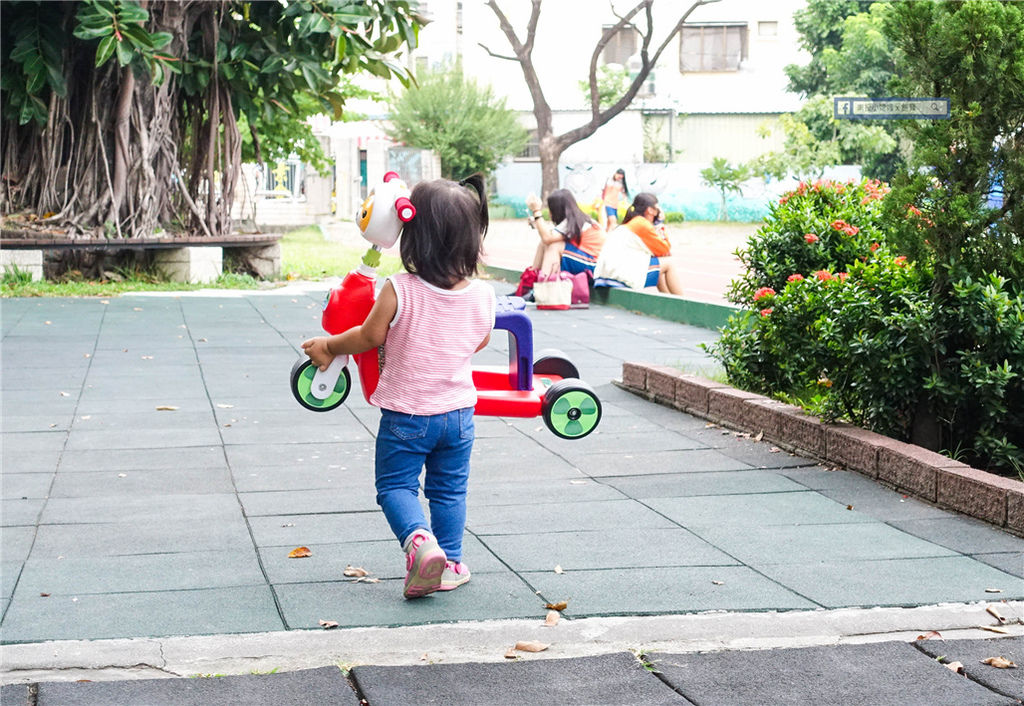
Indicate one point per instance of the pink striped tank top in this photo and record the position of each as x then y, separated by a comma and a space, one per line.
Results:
428, 351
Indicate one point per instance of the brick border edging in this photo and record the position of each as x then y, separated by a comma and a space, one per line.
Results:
911, 469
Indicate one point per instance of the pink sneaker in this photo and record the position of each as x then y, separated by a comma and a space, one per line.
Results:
455, 574
424, 564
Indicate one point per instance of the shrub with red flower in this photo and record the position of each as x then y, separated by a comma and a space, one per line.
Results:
874, 246
763, 292
810, 238
842, 276
844, 227
795, 277
823, 275
901, 260
766, 312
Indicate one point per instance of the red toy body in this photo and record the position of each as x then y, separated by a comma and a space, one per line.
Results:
348, 306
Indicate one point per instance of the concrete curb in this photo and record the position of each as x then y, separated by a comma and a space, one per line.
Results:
911, 469
662, 306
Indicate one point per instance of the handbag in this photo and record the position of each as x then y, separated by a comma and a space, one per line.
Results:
580, 290
554, 291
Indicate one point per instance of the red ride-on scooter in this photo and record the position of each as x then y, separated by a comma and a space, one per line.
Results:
548, 387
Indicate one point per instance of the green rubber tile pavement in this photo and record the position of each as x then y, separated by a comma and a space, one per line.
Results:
141, 483
641, 462
895, 582
174, 534
354, 495
650, 591
304, 530
487, 596
615, 548
538, 490
34, 618
562, 517
755, 510
18, 511
384, 559
134, 459
130, 574
274, 453
330, 475
16, 486
15, 542
156, 509
678, 485
801, 544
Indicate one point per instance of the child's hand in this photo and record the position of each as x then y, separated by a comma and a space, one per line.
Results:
316, 349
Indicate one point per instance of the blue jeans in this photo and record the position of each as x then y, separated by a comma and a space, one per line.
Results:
440, 442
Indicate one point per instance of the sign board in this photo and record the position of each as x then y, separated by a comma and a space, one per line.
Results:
890, 108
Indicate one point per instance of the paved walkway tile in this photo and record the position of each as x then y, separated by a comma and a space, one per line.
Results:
487, 596
756, 510
894, 582
562, 517
141, 482
972, 653
680, 485
326, 685
608, 679
34, 618
181, 534
781, 544
623, 549
306, 530
649, 591
483, 492
890, 674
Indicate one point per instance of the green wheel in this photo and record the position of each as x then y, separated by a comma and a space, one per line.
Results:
571, 409
302, 387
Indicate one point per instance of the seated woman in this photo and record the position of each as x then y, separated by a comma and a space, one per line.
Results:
637, 253
572, 242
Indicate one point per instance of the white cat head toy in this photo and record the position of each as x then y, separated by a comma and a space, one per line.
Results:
385, 211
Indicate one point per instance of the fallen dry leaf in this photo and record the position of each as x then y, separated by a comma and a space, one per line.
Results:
355, 571
993, 628
955, 666
299, 553
225, 406
718, 583
45, 595
999, 663
531, 646
552, 618
760, 435
365, 579
774, 450
561, 605
166, 408
849, 507
510, 653
328, 624
64, 394
994, 612
929, 635
558, 569
993, 590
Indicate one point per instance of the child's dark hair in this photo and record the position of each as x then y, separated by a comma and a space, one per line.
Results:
640, 204
563, 207
625, 188
443, 240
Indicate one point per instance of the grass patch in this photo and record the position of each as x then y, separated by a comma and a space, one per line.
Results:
16, 285
307, 255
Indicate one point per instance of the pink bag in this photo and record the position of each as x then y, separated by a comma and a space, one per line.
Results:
580, 290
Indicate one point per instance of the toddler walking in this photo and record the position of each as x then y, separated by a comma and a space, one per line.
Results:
430, 321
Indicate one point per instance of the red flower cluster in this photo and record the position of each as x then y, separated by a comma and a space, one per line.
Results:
795, 277
810, 238
842, 276
875, 189
874, 246
823, 275
844, 227
763, 292
901, 261
766, 312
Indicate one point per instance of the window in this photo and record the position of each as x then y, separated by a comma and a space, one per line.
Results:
712, 47
283, 179
767, 29
623, 45
531, 152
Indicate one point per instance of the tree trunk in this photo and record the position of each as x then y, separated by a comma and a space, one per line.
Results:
550, 152
122, 145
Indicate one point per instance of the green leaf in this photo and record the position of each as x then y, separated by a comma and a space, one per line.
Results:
105, 49
273, 64
87, 33
159, 40
339, 48
124, 53
131, 13
138, 36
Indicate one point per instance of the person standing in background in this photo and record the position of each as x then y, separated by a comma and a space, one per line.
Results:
615, 192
